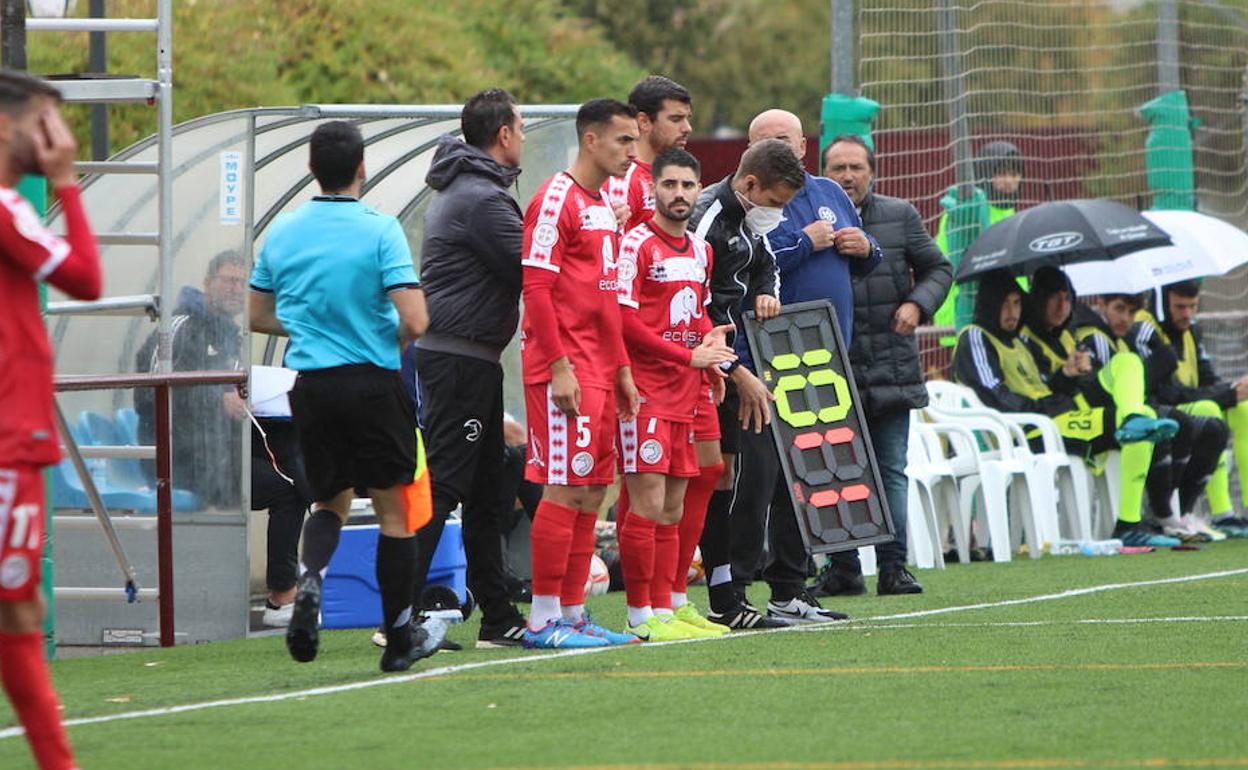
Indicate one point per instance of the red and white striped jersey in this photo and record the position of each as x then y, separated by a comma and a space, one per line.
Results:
664, 286
569, 259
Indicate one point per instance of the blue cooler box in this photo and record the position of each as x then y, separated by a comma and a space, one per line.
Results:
351, 598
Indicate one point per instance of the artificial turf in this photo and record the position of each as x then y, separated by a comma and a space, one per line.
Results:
1136, 677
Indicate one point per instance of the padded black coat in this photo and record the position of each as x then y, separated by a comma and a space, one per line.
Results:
886, 364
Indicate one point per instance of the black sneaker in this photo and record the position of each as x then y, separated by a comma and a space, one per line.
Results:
303, 634
508, 632
897, 580
802, 608
427, 639
835, 582
745, 616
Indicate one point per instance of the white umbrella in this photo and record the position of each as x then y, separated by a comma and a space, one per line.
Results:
1203, 246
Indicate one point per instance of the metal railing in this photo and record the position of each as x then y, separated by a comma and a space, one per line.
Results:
162, 383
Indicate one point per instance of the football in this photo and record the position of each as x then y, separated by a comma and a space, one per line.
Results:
599, 579
697, 573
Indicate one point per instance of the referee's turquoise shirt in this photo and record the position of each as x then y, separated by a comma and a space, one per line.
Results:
331, 265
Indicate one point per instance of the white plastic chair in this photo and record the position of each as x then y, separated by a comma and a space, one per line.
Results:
996, 476
1054, 479
932, 489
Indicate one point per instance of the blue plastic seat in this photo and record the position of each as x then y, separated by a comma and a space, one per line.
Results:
121, 483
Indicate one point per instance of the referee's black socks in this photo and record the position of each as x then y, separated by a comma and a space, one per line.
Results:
396, 571
320, 539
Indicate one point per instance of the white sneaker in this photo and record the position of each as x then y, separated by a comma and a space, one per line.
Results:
1202, 525
278, 617
1178, 526
803, 608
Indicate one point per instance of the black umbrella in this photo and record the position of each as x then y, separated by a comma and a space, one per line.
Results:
1060, 233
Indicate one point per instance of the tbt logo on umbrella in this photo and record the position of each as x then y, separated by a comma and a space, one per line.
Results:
1047, 244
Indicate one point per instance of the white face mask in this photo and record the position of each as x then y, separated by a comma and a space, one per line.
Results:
760, 219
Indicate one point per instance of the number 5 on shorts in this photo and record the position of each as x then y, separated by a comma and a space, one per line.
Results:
583, 436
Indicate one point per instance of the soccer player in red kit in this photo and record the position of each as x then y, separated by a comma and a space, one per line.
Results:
663, 272
573, 354
33, 140
664, 108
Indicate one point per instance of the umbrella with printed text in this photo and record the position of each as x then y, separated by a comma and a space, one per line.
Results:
1060, 233
1204, 246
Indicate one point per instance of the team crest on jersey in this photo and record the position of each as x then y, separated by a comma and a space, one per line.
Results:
651, 451
582, 463
827, 215
546, 235
14, 571
626, 267
685, 306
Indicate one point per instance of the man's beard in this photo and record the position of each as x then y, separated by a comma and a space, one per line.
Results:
681, 217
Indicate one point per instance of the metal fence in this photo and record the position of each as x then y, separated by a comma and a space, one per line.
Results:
1073, 84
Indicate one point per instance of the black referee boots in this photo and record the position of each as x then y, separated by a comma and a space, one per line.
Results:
303, 634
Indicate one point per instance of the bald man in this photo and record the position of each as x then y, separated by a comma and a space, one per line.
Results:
817, 244
821, 239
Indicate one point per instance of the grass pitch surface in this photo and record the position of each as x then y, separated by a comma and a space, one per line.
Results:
1134, 676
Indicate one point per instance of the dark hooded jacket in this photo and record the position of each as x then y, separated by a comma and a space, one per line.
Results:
886, 364
977, 363
470, 256
1149, 338
1042, 341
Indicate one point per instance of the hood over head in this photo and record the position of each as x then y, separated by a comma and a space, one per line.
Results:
1046, 282
994, 287
454, 156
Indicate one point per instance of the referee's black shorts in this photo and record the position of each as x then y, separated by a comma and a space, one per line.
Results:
357, 428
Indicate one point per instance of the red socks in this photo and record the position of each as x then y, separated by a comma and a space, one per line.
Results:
697, 498
550, 543
24, 673
584, 543
621, 509
666, 555
637, 553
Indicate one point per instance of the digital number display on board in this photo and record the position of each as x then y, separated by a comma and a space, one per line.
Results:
820, 433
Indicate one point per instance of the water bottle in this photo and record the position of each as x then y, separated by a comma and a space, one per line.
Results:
1086, 547
1101, 547
1066, 547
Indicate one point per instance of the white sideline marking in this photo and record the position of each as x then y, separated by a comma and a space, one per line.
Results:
13, 732
861, 626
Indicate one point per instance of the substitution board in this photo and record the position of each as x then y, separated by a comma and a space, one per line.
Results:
819, 430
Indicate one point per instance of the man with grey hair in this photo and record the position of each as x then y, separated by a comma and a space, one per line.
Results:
910, 284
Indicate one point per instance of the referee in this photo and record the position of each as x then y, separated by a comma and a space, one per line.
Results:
337, 278
470, 263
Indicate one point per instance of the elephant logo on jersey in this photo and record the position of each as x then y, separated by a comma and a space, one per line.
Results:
685, 307
827, 215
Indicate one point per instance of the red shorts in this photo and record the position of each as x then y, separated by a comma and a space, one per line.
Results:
21, 532
570, 451
655, 445
706, 417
